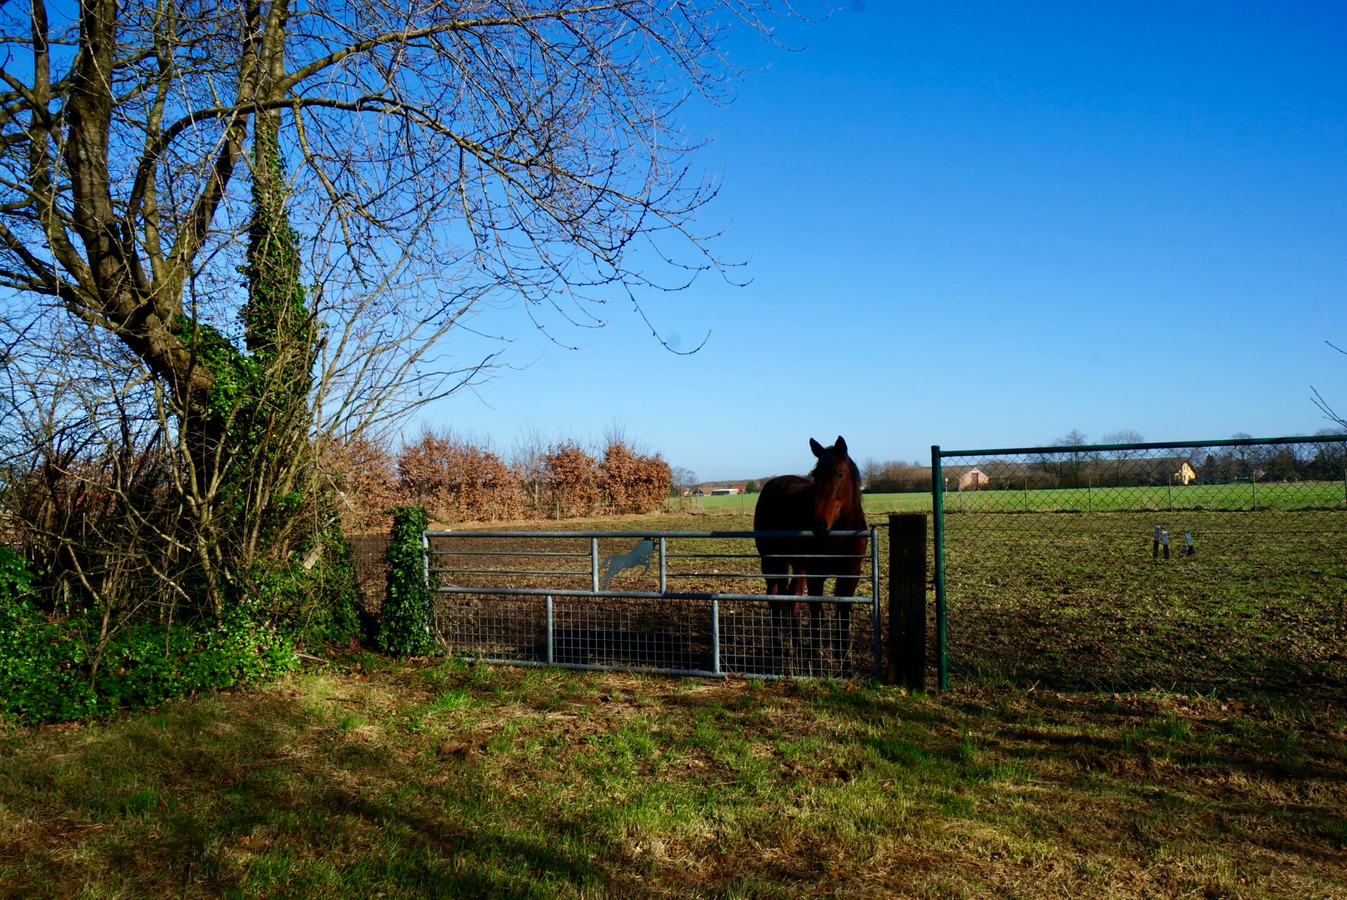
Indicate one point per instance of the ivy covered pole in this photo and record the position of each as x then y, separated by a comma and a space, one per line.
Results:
406, 628
250, 450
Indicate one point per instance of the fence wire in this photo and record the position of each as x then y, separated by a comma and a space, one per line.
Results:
1206, 567
587, 599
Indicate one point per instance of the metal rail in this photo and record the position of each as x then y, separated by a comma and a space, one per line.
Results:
561, 617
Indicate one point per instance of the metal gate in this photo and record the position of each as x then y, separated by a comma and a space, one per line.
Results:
673, 602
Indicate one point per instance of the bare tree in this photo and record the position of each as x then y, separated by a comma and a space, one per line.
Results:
1073, 463
527, 458
433, 157
1322, 404
1124, 436
1121, 455
449, 150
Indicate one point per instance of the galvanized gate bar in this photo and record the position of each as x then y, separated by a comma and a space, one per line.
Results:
550, 630
639, 645
448, 532
646, 595
715, 636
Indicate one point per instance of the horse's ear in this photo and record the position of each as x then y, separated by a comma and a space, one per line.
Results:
841, 445
816, 447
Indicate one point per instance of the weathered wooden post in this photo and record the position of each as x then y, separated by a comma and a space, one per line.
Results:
907, 600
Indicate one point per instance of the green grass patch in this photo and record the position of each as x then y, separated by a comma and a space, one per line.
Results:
1083, 601
1236, 497
744, 504
448, 779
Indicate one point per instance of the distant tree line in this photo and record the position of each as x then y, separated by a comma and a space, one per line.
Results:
893, 477
1074, 462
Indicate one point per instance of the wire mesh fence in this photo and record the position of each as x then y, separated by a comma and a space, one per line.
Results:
1202, 567
680, 602
369, 554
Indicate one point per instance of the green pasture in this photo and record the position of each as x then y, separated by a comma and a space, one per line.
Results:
434, 778
1248, 495
1085, 601
1119, 725
745, 503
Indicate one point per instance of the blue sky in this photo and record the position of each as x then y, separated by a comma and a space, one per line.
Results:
984, 225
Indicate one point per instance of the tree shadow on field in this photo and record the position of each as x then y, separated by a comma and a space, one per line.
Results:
275, 802
1212, 768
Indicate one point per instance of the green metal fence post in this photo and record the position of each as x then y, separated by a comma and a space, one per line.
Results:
938, 530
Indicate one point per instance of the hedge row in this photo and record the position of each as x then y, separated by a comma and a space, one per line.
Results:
457, 480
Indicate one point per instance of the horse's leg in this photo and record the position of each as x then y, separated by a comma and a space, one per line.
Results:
780, 609
817, 632
795, 657
846, 587
778, 583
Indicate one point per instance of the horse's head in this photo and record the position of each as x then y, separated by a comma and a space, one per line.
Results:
837, 484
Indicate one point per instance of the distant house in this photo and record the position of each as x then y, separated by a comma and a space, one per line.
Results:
974, 479
1185, 474
728, 491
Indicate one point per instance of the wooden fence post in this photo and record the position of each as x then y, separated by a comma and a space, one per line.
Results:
907, 600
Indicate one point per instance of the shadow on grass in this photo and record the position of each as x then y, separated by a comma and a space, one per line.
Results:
215, 805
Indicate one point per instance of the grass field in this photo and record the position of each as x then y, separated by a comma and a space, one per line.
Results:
1248, 495
744, 503
367, 778
1239, 496
1044, 772
1081, 601
1076, 600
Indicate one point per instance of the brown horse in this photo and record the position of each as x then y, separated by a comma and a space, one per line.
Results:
828, 500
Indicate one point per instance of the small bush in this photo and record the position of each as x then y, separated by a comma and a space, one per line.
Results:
16, 580
53, 671
365, 479
632, 483
572, 479
313, 599
457, 481
50, 671
406, 606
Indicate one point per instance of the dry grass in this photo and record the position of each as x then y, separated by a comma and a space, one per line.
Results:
448, 779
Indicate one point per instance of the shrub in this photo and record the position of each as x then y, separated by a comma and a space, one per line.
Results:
632, 483
16, 580
572, 479
154, 663
59, 670
406, 606
456, 480
365, 478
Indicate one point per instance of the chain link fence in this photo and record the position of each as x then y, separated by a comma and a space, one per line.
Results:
1213, 567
